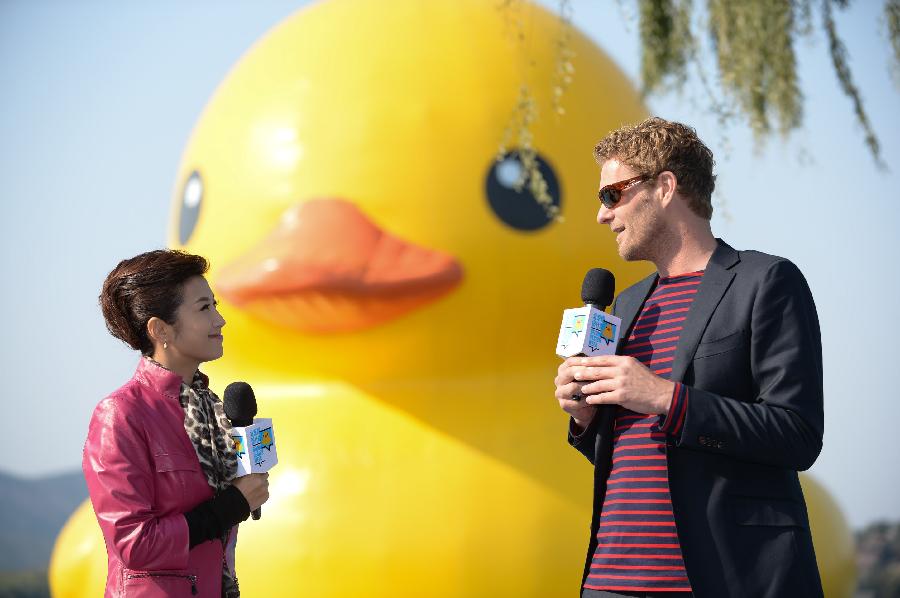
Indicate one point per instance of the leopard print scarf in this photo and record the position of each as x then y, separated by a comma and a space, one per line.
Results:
210, 433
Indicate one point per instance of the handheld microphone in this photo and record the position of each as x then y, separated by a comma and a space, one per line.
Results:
588, 330
598, 288
239, 403
254, 437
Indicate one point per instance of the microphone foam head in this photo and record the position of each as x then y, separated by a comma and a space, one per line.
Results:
598, 287
239, 403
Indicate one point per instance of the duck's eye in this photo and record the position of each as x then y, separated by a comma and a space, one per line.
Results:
512, 201
191, 199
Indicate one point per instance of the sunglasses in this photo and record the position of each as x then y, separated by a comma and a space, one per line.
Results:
611, 194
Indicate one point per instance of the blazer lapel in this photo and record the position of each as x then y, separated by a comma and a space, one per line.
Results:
629, 310
716, 280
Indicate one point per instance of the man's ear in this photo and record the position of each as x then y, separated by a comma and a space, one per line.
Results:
667, 183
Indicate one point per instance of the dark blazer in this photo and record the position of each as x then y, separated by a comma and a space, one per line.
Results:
751, 354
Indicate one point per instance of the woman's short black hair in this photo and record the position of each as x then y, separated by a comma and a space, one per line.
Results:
147, 285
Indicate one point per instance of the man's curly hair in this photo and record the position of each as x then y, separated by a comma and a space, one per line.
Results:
657, 145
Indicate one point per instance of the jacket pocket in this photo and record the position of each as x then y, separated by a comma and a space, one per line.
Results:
174, 472
770, 512
175, 462
155, 584
717, 346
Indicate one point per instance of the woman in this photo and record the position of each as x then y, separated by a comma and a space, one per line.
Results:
158, 459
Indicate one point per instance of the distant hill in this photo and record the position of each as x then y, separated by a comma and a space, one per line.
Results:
32, 512
878, 558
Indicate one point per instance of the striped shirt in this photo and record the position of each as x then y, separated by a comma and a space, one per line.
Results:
638, 548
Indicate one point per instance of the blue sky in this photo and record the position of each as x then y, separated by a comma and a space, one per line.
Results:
99, 100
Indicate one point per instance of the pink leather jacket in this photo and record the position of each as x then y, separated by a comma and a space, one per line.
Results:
142, 475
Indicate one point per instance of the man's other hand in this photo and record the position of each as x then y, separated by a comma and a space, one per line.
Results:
620, 380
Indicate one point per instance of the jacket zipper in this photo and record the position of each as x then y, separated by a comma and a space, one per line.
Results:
191, 578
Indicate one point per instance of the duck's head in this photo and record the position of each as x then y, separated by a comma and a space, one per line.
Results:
344, 184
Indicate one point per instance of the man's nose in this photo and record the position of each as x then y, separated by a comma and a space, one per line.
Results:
605, 215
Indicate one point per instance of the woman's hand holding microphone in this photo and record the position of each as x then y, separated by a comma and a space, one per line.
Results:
254, 487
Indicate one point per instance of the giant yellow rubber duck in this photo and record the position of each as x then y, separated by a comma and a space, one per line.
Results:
395, 300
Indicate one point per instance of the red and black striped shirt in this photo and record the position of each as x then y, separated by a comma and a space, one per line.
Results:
638, 548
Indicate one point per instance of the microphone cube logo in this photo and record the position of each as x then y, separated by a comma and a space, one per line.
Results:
265, 439
262, 444
602, 332
578, 324
587, 331
239, 445
256, 447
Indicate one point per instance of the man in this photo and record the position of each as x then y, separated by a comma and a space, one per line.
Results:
698, 427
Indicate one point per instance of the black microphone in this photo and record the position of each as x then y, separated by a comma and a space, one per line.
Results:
239, 404
588, 330
598, 288
240, 407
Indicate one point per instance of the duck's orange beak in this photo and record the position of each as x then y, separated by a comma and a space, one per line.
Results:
328, 268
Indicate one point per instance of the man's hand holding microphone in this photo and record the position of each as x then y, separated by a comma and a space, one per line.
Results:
585, 382
595, 375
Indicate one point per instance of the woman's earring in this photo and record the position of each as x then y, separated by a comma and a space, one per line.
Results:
165, 344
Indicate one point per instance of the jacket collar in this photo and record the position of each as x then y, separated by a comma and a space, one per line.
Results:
158, 378
716, 279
